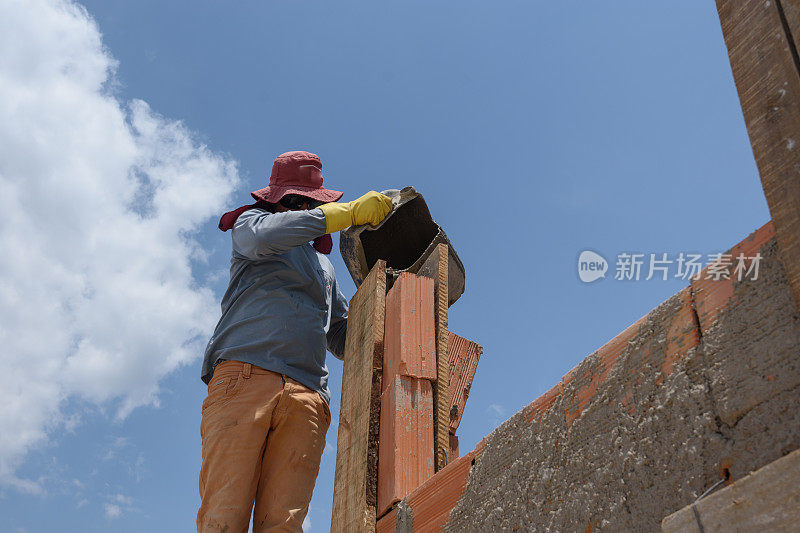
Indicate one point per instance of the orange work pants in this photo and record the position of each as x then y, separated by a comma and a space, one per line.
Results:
263, 435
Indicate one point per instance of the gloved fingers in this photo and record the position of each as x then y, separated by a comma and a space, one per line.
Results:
379, 206
382, 201
384, 208
386, 201
370, 208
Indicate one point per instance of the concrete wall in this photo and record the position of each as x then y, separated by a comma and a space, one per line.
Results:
705, 386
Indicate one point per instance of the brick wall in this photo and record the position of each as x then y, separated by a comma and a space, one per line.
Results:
705, 386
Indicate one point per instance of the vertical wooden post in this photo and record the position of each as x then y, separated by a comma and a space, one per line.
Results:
436, 267
355, 481
791, 15
761, 37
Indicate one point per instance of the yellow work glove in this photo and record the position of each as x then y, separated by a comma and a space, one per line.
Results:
369, 209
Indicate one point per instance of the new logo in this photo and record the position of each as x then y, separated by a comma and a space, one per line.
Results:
591, 266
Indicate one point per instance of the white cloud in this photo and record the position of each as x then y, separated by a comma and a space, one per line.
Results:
497, 414
137, 469
121, 498
307, 522
118, 504
99, 201
496, 410
112, 511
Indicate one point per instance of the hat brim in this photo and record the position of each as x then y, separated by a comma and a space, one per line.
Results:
274, 193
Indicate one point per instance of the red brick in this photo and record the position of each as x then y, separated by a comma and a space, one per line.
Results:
463, 357
608, 355
387, 523
711, 296
432, 501
453, 455
682, 336
409, 339
405, 448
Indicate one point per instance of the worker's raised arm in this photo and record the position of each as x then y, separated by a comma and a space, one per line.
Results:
258, 234
370, 208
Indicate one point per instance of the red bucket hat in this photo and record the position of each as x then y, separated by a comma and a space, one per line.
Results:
296, 173
292, 173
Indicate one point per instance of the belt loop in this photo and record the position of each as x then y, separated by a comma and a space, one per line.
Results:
246, 370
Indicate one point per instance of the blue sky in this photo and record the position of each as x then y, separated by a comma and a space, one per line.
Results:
535, 130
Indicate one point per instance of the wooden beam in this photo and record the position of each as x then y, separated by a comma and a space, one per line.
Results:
436, 267
766, 500
791, 16
355, 481
760, 36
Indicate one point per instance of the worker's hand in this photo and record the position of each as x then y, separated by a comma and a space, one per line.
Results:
369, 209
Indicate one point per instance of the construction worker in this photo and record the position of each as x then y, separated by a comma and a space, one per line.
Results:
266, 414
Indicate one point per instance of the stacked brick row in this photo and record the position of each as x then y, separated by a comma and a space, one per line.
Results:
705, 387
405, 448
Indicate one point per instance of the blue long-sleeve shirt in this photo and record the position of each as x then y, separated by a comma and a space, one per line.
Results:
283, 307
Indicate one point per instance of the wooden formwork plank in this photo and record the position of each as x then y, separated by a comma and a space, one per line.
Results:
791, 16
766, 500
436, 267
764, 60
355, 480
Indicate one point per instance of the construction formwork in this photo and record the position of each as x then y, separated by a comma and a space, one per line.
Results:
692, 398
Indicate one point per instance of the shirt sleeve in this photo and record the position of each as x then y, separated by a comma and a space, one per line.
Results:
337, 332
258, 233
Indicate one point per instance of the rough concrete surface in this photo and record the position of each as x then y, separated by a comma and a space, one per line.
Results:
651, 437
752, 364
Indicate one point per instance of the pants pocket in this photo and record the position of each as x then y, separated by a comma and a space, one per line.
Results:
222, 389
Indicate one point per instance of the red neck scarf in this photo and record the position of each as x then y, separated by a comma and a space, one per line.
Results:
323, 244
